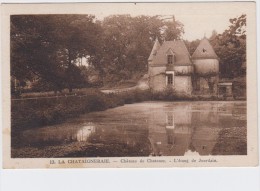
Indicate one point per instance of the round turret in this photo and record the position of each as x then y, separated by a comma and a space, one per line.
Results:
205, 60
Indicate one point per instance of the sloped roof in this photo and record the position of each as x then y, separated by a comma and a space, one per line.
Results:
182, 56
156, 46
204, 51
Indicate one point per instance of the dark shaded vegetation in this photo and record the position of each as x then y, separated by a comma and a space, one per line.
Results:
231, 141
239, 88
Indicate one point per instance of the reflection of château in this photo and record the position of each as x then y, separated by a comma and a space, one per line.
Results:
185, 129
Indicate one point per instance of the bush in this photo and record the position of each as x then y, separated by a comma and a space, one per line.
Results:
166, 95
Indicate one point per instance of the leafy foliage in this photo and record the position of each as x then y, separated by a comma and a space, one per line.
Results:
230, 46
46, 47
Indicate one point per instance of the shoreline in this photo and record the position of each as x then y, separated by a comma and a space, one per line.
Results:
42, 111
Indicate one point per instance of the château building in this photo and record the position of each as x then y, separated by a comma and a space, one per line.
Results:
171, 66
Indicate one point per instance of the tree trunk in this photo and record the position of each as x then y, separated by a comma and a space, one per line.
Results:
69, 72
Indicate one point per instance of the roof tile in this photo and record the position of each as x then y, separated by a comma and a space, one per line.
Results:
182, 55
204, 51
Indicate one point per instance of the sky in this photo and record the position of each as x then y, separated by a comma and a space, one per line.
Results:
199, 19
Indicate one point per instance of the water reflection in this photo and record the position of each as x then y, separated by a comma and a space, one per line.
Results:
192, 129
84, 133
155, 129
56, 135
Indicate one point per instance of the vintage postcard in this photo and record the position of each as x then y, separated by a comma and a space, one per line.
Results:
101, 85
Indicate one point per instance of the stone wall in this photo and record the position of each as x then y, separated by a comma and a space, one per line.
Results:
157, 78
203, 66
182, 84
183, 70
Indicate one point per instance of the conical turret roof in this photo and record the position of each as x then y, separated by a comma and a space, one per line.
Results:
204, 51
156, 47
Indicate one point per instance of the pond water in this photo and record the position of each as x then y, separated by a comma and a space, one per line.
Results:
143, 129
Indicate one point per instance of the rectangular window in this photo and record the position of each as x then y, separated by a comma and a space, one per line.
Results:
169, 79
170, 59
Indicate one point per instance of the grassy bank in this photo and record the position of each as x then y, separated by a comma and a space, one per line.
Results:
37, 112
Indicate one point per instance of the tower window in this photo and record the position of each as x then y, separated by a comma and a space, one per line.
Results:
170, 59
204, 50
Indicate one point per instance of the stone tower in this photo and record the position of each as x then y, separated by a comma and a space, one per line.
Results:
206, 68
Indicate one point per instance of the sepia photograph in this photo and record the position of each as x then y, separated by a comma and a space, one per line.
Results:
130, 85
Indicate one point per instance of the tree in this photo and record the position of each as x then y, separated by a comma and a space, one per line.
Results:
32, 54
76, 36
192, 45
127, 43
213, 36
230, 46
47, 46
173, 29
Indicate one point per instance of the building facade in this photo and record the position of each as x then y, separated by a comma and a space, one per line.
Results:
171, 66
